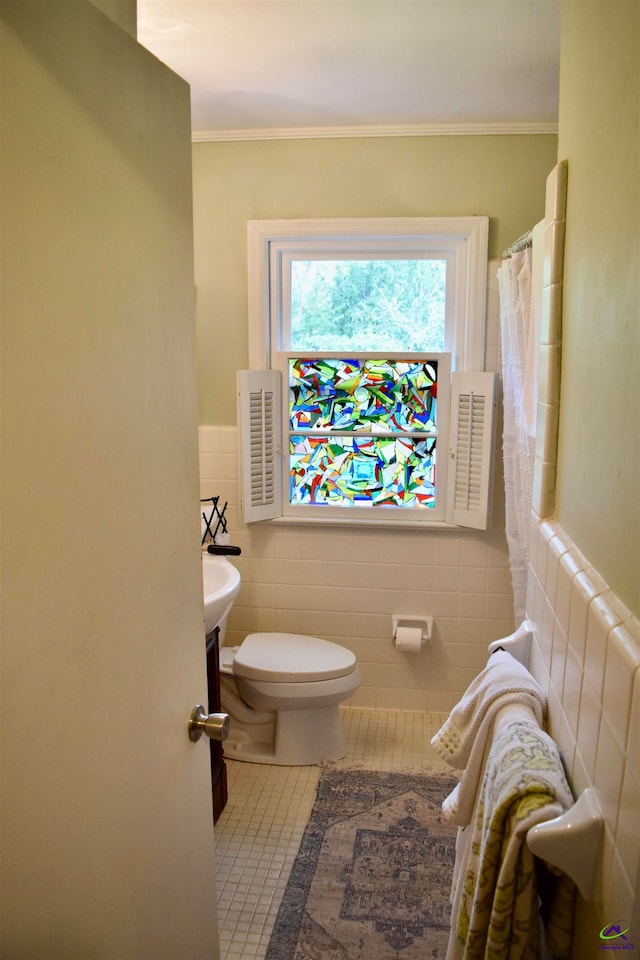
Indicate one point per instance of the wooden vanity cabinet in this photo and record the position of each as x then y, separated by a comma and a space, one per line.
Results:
218, 766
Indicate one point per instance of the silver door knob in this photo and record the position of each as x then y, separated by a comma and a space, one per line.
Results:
213, 725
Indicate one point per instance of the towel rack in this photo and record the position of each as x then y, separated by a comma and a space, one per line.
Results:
572, 841
518, 643
217, 514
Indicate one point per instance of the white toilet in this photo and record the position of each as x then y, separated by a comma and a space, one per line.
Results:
282, 692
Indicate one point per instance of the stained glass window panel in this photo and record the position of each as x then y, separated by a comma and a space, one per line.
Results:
363, 395
347, 471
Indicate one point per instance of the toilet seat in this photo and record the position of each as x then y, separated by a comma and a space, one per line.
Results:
291, 658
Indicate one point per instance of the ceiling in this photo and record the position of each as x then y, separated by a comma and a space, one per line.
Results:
266, 68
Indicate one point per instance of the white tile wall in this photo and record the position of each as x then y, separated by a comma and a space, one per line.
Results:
345, 586
586, 653
549, 351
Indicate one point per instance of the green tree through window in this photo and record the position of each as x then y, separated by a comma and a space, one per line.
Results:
368, 304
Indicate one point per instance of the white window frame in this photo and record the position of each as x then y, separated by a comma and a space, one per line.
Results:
465, 239
463, 242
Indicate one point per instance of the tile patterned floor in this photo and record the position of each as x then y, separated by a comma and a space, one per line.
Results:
259, 832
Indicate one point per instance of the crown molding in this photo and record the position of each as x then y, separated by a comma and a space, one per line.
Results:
409, 130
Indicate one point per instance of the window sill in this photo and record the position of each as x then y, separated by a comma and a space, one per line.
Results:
362, 523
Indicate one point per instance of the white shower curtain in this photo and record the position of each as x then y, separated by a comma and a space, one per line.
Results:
517, 327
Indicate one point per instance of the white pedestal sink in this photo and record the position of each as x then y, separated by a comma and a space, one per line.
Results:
221, 585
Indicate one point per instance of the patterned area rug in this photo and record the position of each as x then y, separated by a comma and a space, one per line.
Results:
373, 874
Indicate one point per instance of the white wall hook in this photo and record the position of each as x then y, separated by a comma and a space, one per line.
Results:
518, 643
572, 842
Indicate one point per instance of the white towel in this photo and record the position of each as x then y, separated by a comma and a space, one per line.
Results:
502, 676
465, 737
458, 806
455, 949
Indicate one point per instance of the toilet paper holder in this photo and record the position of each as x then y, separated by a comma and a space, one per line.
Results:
425, 624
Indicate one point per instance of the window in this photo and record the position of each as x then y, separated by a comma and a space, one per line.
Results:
356, 328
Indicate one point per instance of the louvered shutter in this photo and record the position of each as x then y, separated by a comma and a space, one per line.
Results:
471, 443
259, 412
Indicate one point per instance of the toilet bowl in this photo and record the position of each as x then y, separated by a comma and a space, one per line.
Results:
282, 692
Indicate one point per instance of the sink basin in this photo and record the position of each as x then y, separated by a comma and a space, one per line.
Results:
221, 584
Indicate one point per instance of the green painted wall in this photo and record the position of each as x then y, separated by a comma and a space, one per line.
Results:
598, 494
110, 849
122, 12
502, 177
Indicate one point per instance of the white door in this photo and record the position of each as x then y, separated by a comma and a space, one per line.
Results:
107, 839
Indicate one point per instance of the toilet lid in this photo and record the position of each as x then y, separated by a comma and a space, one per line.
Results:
291, 658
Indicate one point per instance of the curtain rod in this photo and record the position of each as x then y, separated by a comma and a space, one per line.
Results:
526, 240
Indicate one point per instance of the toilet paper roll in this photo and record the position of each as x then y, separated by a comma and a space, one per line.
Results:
408, 639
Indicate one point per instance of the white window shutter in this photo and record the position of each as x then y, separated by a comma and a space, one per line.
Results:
259, 422
471, 446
